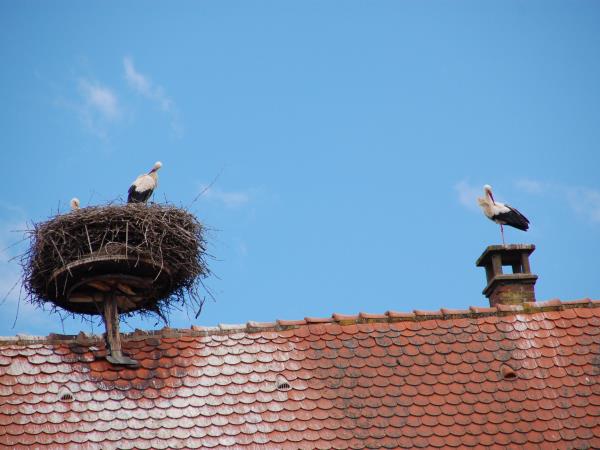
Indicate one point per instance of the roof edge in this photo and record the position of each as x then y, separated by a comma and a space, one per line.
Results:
341, 319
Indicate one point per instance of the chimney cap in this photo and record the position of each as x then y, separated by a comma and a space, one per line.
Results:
510, 288
511, 253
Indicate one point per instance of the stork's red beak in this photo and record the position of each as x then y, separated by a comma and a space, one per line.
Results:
492, 197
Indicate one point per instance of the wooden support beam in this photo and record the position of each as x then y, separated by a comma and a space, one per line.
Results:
101, 286
113, 338
111, 320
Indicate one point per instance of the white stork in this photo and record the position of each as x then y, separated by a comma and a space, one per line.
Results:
74, 203
501, 213
143, 186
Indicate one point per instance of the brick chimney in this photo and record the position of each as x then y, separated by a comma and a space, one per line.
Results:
510, 288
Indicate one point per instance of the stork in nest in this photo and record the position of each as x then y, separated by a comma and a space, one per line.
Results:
143, 186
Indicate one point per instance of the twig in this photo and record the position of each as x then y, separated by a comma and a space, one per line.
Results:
9, 292
58, 252
91, 196
214, 180
201, 304
62, 322
17, 313
14, 243
89, 241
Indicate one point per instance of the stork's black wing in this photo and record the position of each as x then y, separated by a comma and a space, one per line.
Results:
131, 195
135, 196
513, 218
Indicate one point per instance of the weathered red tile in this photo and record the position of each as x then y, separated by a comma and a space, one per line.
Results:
428, 380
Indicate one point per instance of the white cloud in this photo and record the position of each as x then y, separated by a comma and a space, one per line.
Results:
97, 107
584, 201
531, 186
229, 199
145, 87
467, 194
100, 99
135, 79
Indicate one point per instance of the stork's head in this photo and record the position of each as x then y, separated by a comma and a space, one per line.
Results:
74, 203
157, 165
487, 189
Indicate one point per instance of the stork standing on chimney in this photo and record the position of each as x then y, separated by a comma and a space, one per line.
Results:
143, 186
501, 213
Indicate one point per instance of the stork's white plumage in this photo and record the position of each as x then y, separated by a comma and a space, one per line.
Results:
143, 186
501, 213
74, 203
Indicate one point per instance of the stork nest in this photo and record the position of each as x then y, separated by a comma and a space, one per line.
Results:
154, 253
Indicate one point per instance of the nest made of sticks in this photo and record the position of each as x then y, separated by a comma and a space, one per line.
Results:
162, 244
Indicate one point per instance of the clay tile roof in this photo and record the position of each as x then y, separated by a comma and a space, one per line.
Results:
344, 317
506, 377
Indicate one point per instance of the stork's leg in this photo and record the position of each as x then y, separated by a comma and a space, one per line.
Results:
502, 232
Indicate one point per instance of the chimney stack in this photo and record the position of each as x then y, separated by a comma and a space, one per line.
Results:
511, 288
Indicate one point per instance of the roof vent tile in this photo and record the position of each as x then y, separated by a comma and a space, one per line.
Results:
507, 372
281, 384
65, 395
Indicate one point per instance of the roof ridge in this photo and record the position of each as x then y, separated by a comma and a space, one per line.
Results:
342, 319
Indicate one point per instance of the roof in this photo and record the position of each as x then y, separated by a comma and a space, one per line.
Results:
394, 380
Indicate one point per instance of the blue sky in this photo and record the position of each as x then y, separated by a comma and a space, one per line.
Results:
352, 139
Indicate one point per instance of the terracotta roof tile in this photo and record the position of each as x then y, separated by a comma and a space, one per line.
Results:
427, 379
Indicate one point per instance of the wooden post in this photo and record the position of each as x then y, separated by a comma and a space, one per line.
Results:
111, 320
113, 338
